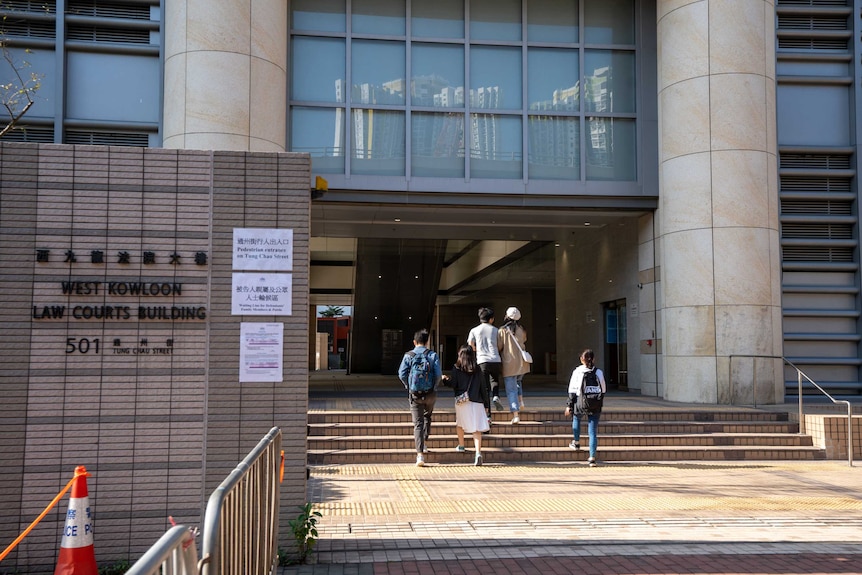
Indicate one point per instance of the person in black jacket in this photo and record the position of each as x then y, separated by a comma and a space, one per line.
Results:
471, 416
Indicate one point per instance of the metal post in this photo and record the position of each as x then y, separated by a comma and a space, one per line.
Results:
850, 434
801, 420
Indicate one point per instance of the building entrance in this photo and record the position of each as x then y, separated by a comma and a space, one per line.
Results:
402, 269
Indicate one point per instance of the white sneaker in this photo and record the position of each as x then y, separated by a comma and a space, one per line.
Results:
516, 420
575, 445
420, 460
478, 461
592, 462
497, 403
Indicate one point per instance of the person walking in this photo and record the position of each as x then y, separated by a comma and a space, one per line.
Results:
483, 339
472, 402
420, 373
512, 337
586, 395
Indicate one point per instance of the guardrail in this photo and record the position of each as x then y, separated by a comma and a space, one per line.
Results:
799, 376
173, 554
240, 531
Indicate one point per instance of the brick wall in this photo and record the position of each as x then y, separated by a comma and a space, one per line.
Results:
148, 400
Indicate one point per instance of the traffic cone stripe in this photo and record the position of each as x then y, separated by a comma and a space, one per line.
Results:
78, 531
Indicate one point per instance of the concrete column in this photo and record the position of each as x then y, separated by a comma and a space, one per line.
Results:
719, 240
226, 75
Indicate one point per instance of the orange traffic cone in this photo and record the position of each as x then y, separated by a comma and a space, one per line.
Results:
77, 555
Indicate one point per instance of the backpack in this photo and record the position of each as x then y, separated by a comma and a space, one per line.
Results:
419, 379
591, 398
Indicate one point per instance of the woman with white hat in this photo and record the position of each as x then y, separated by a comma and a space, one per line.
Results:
513, 336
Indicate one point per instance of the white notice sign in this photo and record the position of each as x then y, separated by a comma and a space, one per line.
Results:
261, 352
261, 294
262, 249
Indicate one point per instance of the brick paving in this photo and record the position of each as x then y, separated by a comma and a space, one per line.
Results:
751, 517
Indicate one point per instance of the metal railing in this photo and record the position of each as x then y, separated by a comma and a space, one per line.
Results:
799, 376
173, 554
240, 531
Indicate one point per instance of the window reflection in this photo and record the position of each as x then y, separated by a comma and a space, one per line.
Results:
377, 143
609, 80
438, 19
378, 72
381, 17
495, 146
319, 132
611, 149
438, 145
495, 19
552, 21
437, 76
496, 77
318, 68
557, 91
554, 148
609, 22
319, 15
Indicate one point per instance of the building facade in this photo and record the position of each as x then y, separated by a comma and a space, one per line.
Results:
671, 183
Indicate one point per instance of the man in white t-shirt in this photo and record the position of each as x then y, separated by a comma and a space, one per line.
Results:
484, 341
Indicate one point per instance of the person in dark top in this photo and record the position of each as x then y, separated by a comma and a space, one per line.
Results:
471, 416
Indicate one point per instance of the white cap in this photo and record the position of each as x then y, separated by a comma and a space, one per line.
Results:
513, 313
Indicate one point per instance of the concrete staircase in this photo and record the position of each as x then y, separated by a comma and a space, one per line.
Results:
375, 437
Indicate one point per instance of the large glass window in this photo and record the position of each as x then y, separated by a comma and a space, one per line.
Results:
466, 89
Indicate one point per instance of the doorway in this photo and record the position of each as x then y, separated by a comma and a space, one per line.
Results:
616, 345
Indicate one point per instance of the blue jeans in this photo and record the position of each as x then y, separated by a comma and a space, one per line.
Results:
592, 428
513, 390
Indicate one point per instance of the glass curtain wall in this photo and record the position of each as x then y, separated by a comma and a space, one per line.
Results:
494, 89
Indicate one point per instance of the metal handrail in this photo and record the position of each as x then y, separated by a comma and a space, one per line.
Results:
240, 532
173, 554
799, 375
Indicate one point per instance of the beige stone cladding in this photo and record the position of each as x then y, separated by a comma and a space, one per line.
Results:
120, 352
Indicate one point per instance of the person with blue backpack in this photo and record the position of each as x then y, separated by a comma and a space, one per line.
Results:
420, 372
587, 390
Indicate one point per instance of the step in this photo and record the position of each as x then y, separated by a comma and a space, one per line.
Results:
447, 426
564, 454
441, 441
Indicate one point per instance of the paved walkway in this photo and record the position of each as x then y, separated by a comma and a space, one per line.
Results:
659, 518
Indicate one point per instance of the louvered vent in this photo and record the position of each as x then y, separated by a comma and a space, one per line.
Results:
815, 161
21, 28
108, 35
35, 6
36, 135
812, 43
812, 22
107, 138
817, 231
817, 254
814, 185
811, 3
814, 207
108, 9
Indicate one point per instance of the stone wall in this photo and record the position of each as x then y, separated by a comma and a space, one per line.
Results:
120, 350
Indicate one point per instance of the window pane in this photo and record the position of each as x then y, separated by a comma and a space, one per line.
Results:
378, 72
438, 75
322, 15
320, 132
611, 149
495, 146
127, 97
377, 143
438, 145
609, 81
609, 22
554, 148
318, 67
495, 20
382, 17
552, 21
495, 77
552, 79
438, 19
